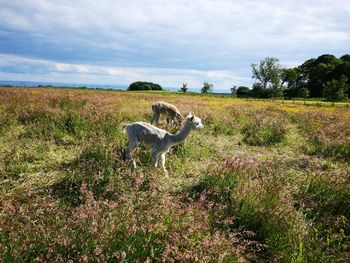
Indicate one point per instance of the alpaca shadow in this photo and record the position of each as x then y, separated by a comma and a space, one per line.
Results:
94, 167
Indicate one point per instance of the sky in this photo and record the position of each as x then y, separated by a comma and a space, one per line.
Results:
166, 42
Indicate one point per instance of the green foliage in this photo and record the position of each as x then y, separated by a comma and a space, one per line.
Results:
309, 79
313, 73
234, 90
184, 87
268, 73
259, 92
207, 88
243, 92
335, 90
303, 93
290, 76
142, 85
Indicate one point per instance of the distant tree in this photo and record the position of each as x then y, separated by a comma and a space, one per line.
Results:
289, 76
234, 90
335, 90
243, 92
259, 92
276, 92
207, 88
184, 87
142, 85
303, 93
343, 69
313, 73
268, 73
345, 58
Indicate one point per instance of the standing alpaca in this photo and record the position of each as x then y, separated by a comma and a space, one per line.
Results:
172, 113
160, 140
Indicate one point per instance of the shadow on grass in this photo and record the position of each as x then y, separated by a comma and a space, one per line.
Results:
100, 166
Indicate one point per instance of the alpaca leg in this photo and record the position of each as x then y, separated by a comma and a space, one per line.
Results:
163, 164
129, 150
155, 156
155, 118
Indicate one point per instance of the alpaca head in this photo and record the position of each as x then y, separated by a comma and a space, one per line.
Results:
196, 123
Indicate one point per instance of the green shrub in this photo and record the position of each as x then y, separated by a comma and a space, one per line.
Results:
142, 85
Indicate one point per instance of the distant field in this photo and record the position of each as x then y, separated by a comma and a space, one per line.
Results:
264, 181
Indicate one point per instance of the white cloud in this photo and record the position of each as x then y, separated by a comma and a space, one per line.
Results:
44, 70
221, 37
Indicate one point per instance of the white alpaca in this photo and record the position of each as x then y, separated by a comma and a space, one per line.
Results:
172, 113
160, 140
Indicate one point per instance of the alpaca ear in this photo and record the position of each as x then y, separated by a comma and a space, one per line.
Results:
191, 118
189, 115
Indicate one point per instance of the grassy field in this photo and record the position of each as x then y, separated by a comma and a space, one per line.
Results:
262, 182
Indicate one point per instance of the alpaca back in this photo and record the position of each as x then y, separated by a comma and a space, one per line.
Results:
145, 133
165, 108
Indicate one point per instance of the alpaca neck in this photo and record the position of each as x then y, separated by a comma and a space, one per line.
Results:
182, 135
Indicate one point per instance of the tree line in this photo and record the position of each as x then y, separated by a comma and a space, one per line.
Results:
324, 77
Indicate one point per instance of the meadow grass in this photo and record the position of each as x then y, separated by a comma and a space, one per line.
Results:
262, 182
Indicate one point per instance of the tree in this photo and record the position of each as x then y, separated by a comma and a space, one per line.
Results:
303, 93
313, 73
342, 69
142, 85
345, 58
268, 73
243, 92
289, 76
335, 90
234, 90
184, 87
259, 92
207, 88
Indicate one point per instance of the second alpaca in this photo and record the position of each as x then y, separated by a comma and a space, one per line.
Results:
172, 113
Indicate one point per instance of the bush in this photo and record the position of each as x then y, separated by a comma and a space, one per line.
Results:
335, 90
243, 92
142, 85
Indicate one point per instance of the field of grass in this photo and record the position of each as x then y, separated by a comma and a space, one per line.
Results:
262, 182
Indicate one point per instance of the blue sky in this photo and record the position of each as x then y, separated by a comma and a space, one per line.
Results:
167, 42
